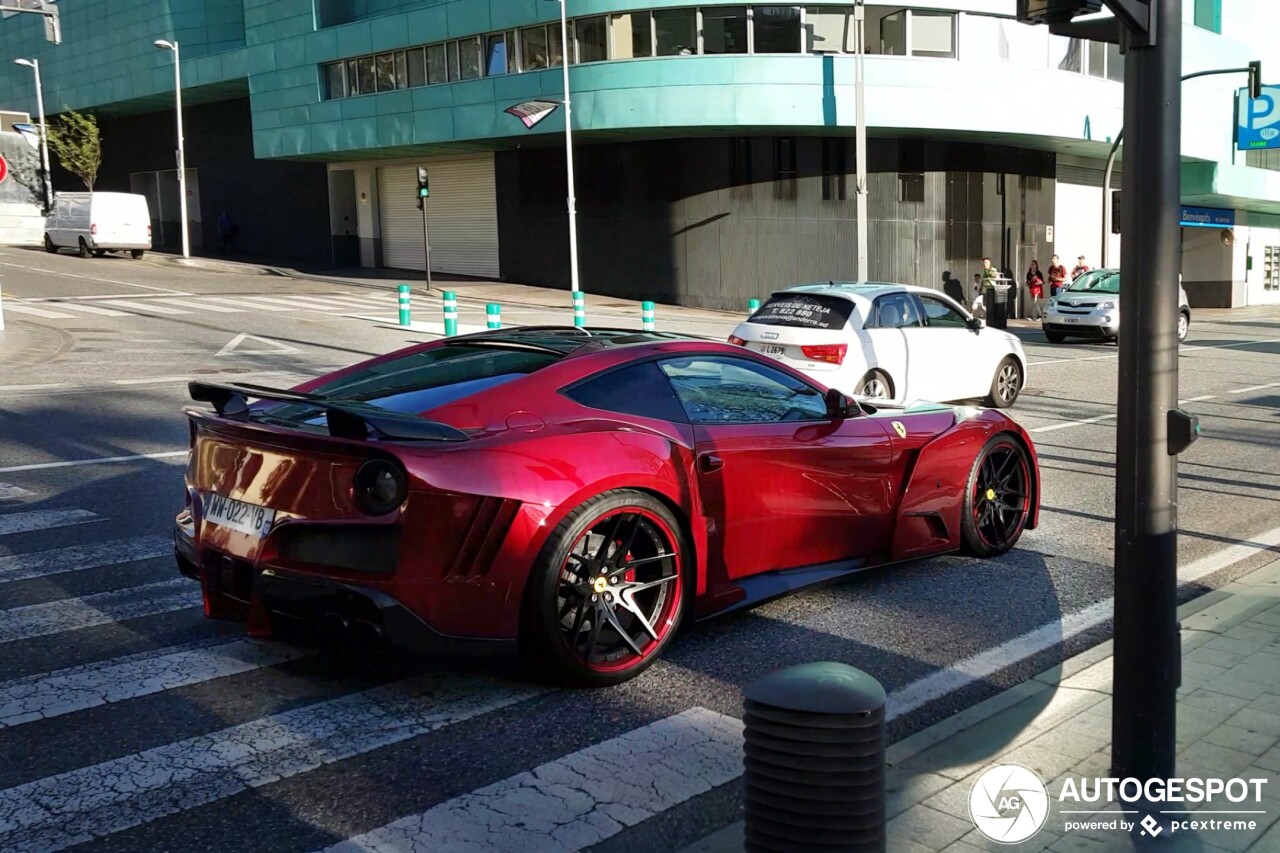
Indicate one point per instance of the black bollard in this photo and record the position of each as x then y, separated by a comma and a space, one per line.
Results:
814, 761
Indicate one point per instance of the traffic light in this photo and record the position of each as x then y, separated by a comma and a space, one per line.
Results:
424, 188
1255, 79
1055, 11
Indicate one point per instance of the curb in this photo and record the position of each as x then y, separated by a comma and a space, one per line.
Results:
1213, 612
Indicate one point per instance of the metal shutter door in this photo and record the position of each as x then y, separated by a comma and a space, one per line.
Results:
463, 213
401, 221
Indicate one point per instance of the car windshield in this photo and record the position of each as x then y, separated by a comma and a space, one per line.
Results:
805, 310
1096, 281
418, 382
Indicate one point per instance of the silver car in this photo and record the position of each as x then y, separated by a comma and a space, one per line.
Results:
1089, 307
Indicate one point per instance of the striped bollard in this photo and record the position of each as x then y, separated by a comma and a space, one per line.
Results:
753, 305
450, 313
647, 312
404, 304
579, 309
493, 311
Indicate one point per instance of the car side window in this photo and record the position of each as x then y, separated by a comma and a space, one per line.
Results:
893, 311
638, 389
727, 390
940, 315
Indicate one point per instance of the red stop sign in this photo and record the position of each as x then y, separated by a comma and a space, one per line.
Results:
4, 169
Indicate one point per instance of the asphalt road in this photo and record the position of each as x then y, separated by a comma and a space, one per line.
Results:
128, 722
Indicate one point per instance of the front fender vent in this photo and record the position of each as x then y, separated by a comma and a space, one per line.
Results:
486, 530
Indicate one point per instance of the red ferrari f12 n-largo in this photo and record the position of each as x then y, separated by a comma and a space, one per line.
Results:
578, 492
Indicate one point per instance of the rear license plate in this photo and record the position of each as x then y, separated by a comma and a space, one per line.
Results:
238, 515
770, 349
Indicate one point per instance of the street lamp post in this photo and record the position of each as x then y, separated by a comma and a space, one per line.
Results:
860, 134
1253, 69
568, 147
34, 65
182, 165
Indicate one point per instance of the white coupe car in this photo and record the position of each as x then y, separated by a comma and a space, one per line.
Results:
889, 341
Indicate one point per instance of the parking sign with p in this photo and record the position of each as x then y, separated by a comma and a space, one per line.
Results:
1258, 119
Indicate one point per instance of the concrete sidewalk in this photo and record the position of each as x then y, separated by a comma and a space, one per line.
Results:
1059, 725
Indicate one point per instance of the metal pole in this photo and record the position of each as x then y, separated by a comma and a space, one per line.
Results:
1147, 647
860, 135
1106, 195
426, 242
44, 139
182, 160
568, 147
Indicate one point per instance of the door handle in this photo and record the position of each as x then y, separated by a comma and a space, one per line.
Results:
708, 462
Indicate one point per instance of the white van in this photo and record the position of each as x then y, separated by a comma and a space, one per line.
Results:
98, 223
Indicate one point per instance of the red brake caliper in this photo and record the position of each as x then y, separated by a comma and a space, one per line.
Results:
630, 574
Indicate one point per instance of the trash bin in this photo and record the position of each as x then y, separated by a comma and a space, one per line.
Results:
996, 301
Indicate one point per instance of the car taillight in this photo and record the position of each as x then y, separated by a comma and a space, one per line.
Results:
93, 229
737, 341
833, 353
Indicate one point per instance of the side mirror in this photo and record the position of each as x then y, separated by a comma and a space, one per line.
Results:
839, 406
974, 324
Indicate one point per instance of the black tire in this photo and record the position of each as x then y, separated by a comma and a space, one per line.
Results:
97, 253
136, 254
1054, 337
989, 524
879, 382
48, 245
548, 600
84, 249
1006, 384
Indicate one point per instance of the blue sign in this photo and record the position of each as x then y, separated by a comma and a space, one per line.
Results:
1206, 217
1258, 119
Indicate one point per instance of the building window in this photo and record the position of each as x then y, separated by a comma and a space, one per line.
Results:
677, 31
724, 29
335, 80
364, 67
1097, 59
555, 42
437, 67
469, 58
777, 29
632, 35
495, 59
385, 72
893, 34
828, 29
933, 34
784, 167
533, 48
592, 38
402, 71
1115, 63
911, 186
451, 57
833, 170
416, 62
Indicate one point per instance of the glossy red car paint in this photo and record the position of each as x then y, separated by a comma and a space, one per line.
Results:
753, 499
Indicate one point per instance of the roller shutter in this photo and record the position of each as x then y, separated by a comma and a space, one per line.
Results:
462, 212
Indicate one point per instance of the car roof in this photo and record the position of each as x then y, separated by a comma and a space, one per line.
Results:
856, 291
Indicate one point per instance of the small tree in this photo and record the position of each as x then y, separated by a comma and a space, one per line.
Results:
74, 138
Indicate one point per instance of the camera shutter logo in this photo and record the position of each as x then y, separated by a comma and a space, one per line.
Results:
1009, 803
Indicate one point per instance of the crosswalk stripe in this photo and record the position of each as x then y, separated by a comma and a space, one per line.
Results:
74, 558
47, 695
9, 492
355, 301
19, 308
148, 307
243, 301
96, 801
93, 309
71, 614
43, 519
578, 800
200, 305
301, 302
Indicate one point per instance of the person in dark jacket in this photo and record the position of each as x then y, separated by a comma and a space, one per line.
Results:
228, 231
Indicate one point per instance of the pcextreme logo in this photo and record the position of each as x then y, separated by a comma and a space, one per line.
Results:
1010, 803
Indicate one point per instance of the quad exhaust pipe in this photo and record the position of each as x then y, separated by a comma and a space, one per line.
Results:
360, 629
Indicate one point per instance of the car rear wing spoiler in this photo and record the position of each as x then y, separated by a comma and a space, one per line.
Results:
345, 418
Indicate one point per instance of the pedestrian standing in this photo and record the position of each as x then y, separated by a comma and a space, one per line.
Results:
1035, 287
1057, 276
1080, 268
228, 230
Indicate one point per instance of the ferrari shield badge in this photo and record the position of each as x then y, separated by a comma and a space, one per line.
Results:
900, 429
